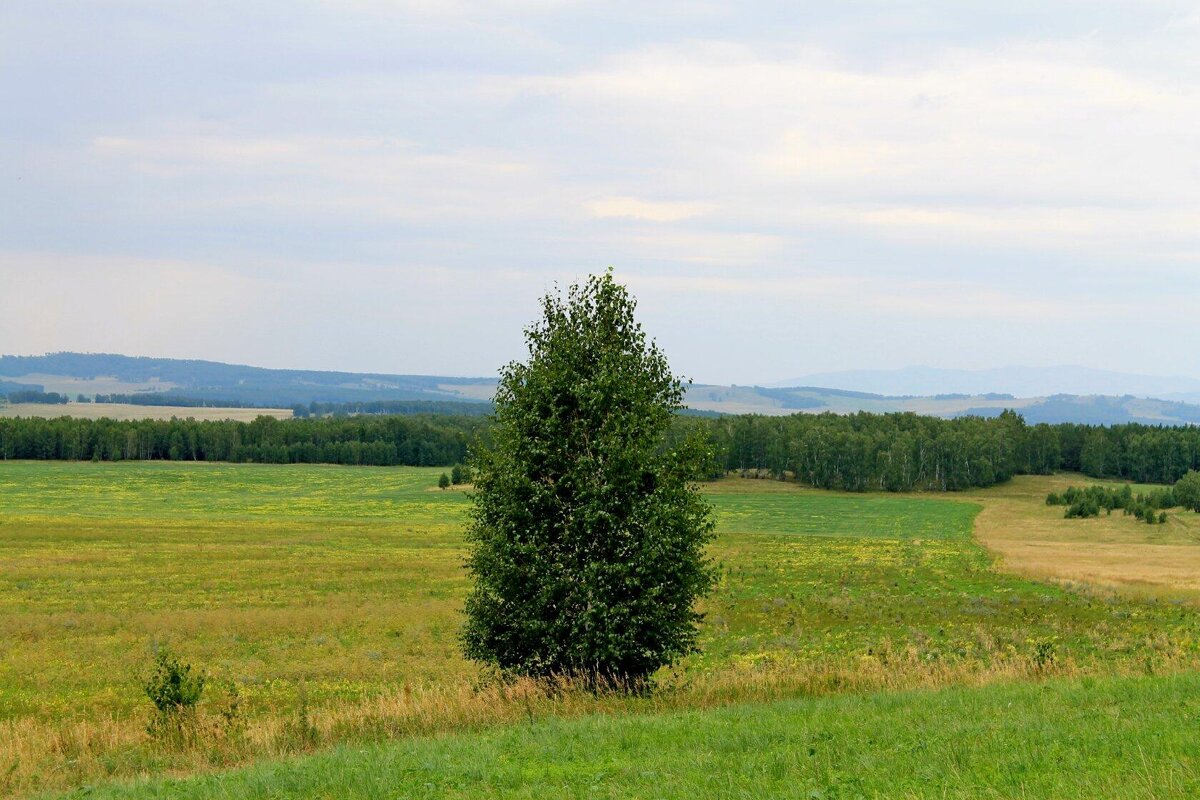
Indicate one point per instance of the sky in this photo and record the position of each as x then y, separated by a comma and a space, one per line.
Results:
787, 188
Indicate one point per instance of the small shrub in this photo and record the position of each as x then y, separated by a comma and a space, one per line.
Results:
444, 481
173, 685
1083, 507
174, 688
1187, 491
1091, 500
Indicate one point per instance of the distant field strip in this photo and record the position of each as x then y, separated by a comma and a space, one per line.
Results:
338, 590
130, 411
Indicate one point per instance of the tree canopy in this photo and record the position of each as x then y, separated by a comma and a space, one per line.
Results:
588, 533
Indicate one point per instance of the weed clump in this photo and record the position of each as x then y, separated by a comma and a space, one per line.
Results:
1044, 654
300, 733
174, 688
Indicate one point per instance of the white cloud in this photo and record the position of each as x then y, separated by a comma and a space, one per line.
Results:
652, 211
1046, 139
846, 177
701, 247
851, 293
319, 175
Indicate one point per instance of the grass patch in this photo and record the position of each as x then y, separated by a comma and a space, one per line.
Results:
1130, 738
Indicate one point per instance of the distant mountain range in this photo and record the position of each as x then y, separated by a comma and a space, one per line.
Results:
1063, 394
103, 373
1018, 381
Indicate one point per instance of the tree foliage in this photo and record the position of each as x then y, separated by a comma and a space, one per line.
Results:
588, 534
173, 685
419, 440
1187, 491
906, 452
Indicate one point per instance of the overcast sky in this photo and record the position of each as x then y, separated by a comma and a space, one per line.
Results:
389, 185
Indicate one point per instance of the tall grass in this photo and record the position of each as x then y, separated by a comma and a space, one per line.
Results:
1080, 737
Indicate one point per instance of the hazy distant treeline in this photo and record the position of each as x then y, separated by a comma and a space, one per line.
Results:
161, 399
453, 407
36, 396
313, 409
858, 452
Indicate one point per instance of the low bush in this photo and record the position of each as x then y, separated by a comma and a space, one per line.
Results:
174, 688
1091, 500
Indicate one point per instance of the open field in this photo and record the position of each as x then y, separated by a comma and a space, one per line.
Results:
329, 596
130, 411
1127, 738
1033, 539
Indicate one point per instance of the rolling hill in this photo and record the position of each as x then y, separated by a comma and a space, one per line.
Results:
1020, 381
90, 374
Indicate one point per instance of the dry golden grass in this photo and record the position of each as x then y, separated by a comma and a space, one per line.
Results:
1116, 552
129, 411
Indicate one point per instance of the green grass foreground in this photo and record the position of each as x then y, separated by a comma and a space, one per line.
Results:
1126, 738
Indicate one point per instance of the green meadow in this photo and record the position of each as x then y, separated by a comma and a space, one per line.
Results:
1128, 738
324, 602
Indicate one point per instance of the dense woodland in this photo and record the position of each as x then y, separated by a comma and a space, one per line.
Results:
857, 452
902, 452
418, 440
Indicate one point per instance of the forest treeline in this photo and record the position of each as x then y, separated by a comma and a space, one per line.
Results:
856, 452
415, 440
904, 452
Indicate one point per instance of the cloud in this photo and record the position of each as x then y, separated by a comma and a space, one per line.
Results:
702, 247
967, 142
333, 314
851, 294
59, 301
370, 183
652, 211
377, 177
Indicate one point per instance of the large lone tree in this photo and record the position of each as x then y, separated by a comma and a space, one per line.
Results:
588, 532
